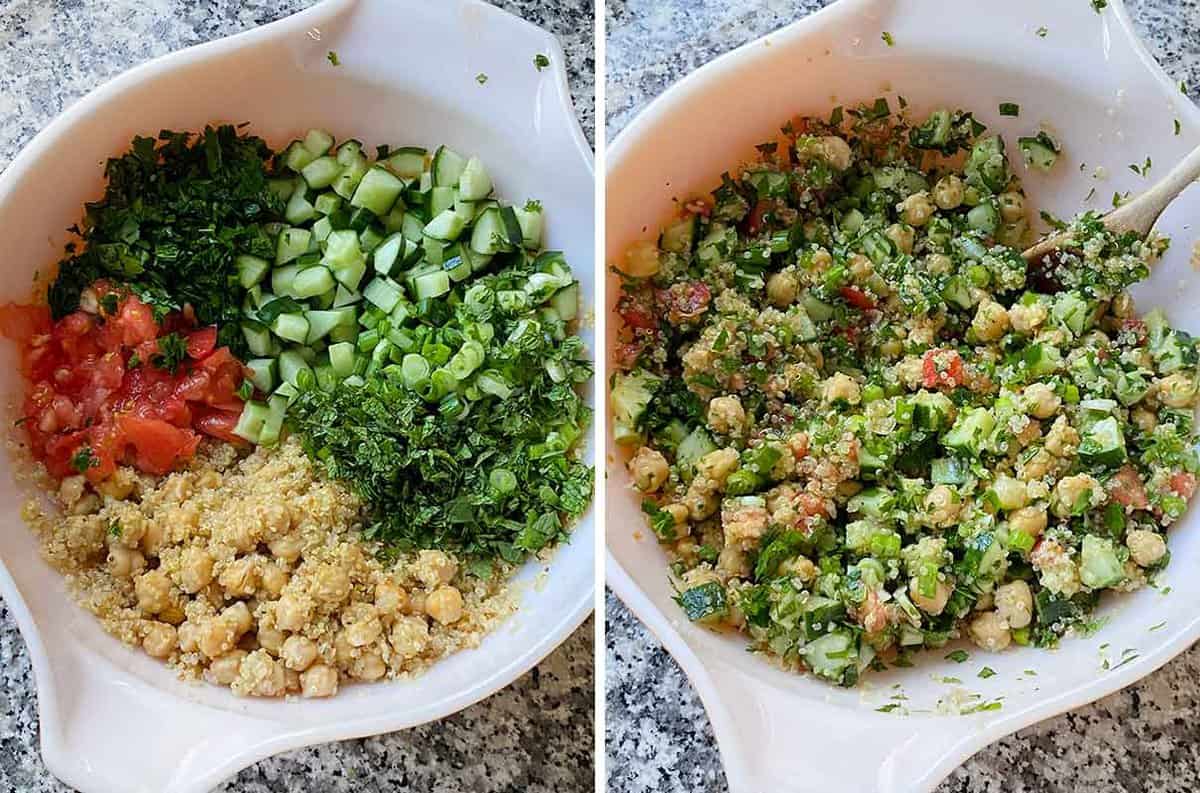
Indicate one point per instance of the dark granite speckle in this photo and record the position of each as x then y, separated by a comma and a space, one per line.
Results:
1145, 738
537, 734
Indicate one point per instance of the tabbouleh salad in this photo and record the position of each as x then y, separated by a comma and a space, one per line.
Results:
863, 426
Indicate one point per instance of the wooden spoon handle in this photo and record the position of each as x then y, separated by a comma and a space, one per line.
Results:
1140, 214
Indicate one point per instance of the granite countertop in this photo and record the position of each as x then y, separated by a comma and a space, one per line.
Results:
537, 734
1144, 738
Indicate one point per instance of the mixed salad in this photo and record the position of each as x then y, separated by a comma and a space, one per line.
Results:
864, 426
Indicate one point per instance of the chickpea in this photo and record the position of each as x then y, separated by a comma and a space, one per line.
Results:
160, 640
990, 631
1027, 319
841, 387
948, 192
649, 469
409, 636
680, 514
216, 636
733, 561
1040, 401
238, 615
189, 636
1036, 466
1145, 547
368, 666
153, 538
701, 503
240, 577
125, 563
195, 569
932, 606
332, 583
261, 676
1063, 439
274, 579
287, 547
71, 489
390, 597
224, 670
153, 591
1146, 420
942, 505
1069, 491
362, 624
298, 652
939, 264
270, 639
726, 415
319, 681
917, 209
782, 288
445, 604
831, 148
1122, 305
716, 466
991, 320
1177, 390
292, 612
1012, 206
861, 267
1014, 603
1010, 492
902, 236
435, 567
274, 520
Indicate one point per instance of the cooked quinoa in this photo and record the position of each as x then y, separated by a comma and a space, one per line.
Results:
249, 572
862, 424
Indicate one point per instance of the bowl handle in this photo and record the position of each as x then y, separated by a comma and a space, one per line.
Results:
791, 745
99, 734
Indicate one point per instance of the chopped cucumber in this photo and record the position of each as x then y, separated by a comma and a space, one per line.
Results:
383, 293
377, 191
407, 162
474, 184
312, 282
250, 422
321, 172
448, 166
292, 243
291, 363
292, 327
251, 270
318, 141
448, 225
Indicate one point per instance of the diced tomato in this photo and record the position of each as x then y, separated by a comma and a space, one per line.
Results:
1125, 487
637, 315
684, 302
857, 298
755, 222
158, 446
220, 424
1183, 483
201, 343
97, 399
942, 368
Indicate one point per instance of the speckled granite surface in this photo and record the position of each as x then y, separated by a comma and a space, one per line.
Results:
1145, 738
536, 735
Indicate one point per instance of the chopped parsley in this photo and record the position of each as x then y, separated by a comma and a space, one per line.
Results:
1099, 5
172, 349
541, 61
1158, 626
1010, 109
481, 78
1041, 32
958, 656
114, 527
1178, 126
84, 459
987, 672
887, 39
1143, 169
888, 708
332, 57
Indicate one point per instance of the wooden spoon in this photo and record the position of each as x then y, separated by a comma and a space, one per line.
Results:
1139, 214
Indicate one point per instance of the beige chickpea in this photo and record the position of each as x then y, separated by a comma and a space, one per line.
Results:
270, 639
274, 579
274, 520
240, 577
1145, 547
726, 415
942, 505
416, 602
917, 209
1027, 319
298, 652
1012, 206
436, 567
1062, 439
261, 676
1122, 305
1036, 466
1030, 520
1010, 493
362, 624
195, 569
991, 320
1177, 390
292, 612
716, 466
153, 537
445, 604
1040, 401
160, 640
153, 591
782, 288
71, 490
649, 469
1071, 489
124, 562
119, 486
288, 547
939, 264
331, 583
701, 504
1146, 420
932, 606
319, 681
368, 666
990, 631
835, 151
189, 636
1014, 603
216, 637
948, 192
409, 636
239, 615
224, 670
241, 534
861, 267
680, 514
390, 597
841, 387
902, 236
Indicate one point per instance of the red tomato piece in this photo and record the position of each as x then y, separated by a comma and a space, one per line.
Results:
201, 343
942, 368
857, 298
157, 446
1183, 483
22, 323
220, 424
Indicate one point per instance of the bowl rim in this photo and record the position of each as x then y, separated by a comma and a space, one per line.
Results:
560, 111
725, 725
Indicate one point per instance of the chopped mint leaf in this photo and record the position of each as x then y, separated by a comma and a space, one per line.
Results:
83, 459
888, 708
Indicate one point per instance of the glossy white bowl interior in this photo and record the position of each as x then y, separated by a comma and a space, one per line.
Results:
1090, 82
113, 720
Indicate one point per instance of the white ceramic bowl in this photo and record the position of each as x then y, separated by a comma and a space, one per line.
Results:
112, 719
1090, 81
